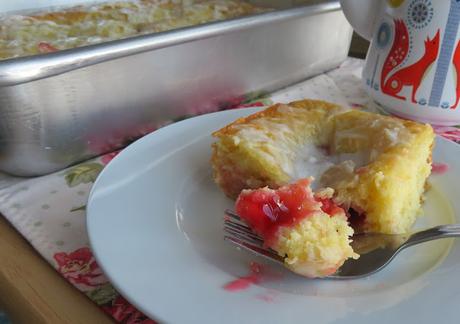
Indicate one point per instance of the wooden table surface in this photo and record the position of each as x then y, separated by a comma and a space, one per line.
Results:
31, 291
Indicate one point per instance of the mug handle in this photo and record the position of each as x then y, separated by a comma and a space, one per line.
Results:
362, 15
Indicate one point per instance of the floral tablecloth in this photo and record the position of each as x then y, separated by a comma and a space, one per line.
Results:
49, 211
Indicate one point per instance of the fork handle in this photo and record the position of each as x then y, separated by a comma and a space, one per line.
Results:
434, 233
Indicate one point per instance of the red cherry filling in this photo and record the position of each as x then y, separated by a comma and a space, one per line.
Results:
329, 207
266, 210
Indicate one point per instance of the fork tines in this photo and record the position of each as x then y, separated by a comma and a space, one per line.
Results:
241, 231
241, 235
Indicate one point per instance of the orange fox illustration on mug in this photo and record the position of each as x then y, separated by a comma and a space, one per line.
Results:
411, 75
413, 64
456, 62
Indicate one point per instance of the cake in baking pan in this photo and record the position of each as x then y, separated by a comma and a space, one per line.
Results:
376, 166
23, 35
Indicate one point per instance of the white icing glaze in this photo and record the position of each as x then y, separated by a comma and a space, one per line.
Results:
20, 34
312, 161
392, 134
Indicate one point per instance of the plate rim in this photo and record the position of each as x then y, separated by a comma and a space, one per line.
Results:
126, 151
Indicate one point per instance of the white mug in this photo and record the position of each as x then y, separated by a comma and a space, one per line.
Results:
412, 68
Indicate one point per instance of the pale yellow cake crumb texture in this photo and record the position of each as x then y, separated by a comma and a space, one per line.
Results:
389, 188
259, 150
317, 246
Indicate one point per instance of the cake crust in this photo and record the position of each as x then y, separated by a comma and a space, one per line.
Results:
87, 24
383, 181
250, 152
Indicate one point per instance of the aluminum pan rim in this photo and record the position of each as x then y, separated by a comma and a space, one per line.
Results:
25, 69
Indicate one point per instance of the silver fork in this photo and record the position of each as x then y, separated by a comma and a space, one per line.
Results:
376, 250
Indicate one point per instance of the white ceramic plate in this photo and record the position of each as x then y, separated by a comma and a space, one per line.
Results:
155, 226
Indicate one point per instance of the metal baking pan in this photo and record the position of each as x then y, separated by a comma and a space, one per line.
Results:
61, 108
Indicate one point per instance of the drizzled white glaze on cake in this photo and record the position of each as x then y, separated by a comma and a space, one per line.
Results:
313, 161
331, 154
22, 35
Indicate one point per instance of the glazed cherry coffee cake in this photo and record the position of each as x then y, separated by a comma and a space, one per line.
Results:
367, 173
